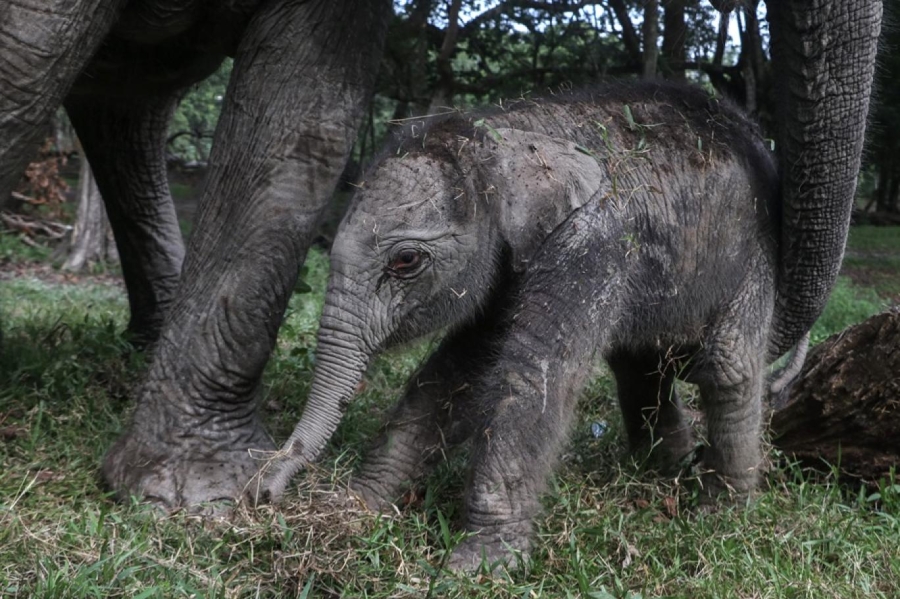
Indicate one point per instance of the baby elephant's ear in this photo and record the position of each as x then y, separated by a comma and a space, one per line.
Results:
533, 182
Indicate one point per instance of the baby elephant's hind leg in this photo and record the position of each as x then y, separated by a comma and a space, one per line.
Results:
731, 393
651, 409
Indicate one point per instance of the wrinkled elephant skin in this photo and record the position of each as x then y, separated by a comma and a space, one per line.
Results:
641, 223
210, 313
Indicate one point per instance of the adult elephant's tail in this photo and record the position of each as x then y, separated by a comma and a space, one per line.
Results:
824, 55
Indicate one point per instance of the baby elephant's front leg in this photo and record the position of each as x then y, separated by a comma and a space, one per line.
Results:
528, 400
568, 301
435, 413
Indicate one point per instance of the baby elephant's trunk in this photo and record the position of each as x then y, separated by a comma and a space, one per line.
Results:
341, 361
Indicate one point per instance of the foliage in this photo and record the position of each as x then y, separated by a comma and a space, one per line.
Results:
42, 189
14, 251
879, 240
192, 128
500, 49
873, 259
609, 529
504, 49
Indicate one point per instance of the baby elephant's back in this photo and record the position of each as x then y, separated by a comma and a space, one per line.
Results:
692, 197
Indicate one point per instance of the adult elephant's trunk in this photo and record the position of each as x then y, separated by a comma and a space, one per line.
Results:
824, 56
341, 360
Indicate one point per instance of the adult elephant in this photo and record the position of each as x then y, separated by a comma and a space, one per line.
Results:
302, 73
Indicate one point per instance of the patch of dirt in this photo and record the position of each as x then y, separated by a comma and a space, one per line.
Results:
53, 276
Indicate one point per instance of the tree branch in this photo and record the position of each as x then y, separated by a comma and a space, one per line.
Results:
629, 35
507, 6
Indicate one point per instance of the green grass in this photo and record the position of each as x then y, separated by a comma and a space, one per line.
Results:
14, 251
609, 529
181, 191
873, 260
874, 239
848, 305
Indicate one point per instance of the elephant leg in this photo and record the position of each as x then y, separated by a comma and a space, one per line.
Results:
124, 141
651, 408
435, 413
731, 393
730, 377
301, 75
570, 299
530, 402
45, 44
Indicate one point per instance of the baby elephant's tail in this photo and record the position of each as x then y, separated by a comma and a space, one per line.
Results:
782, 380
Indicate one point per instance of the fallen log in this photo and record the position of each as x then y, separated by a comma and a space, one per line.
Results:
844, 408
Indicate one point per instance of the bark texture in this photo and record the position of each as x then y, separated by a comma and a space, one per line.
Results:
92, 239
674, 54
845, 406
650, 31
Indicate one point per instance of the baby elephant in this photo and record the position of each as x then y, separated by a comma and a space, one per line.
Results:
637, 222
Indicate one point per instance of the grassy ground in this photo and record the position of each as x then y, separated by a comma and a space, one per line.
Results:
873, 260
609, 529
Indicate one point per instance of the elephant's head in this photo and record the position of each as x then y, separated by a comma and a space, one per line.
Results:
420, 250
414, 253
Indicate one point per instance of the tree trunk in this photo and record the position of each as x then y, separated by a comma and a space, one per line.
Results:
650, 31
844, 408
893, 196
418, 62
721, 38
629, 37
752, 56
674, 34
443, 94
92, 238
878, 194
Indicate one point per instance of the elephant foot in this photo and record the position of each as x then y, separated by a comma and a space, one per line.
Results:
491, 552
377, 497
201, 474
717, 492
670, 453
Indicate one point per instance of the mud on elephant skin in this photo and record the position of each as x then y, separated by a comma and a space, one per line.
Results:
303, 71
635, 222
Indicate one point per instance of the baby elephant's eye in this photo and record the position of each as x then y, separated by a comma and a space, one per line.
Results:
406, 262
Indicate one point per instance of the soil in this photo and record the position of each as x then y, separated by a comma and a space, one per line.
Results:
879, 273
48, 274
